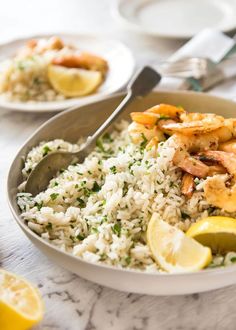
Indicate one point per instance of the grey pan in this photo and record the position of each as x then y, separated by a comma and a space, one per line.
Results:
82, 121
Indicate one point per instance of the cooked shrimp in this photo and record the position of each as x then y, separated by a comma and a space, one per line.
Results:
167, 110
152, 143
188, 185
35, 46
82, 60
229, 146
157, 113
145, 118
218, 194
138, 132
216, 169
185, 146
205, 123
217, 191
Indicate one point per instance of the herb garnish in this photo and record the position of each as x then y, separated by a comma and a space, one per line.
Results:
54, 196
46, 150
81, 202
116, 229
113, 169
96, 187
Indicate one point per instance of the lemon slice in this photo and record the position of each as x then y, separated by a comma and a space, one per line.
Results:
20, 303
219, 233
173, 250
73, 82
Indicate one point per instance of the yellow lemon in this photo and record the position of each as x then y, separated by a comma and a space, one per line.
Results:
73, 82
21, 306
219, 233
173, 250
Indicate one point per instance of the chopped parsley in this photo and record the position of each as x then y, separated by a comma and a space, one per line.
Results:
163, 117
144, 142
54, 196
80, 237
104, 219
107, 138
46, 150
81, 202
39, 205
113, 169
128, 260
117, 229
96, 187
49, 226
100, 145
125, 189
233, 259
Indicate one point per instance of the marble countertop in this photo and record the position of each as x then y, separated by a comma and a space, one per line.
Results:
73, 303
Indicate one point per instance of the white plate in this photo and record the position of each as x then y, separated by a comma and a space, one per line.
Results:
119, 57
82, 121
177, 18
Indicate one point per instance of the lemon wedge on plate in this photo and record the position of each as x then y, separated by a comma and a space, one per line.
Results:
73, 82
219, 233
173, 250
21, 306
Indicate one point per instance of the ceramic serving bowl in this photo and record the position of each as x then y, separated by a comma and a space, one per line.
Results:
82, 121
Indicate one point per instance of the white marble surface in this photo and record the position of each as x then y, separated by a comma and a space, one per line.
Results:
73, 303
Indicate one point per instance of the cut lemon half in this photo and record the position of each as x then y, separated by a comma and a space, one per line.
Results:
218, 233
73, 82
173, 251
20, 303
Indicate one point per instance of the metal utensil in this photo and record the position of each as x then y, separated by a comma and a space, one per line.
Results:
39, 178
195, 67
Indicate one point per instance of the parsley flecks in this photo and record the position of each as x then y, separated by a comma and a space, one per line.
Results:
94, 230
80, 237
46, 150
39, 205
163, 117
54, 196
72, 238
100, 145
113, 169
49, 226
55, 184
233, 259
21, 65
128, 260
107, 138
81, 202
117, 229
144, 142
104, 219
96, 187
125, 189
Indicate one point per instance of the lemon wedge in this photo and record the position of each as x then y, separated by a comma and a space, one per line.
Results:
173, 250
73, 82
218, 233
20, 303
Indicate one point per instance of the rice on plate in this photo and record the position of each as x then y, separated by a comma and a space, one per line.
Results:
47, 69
100, 210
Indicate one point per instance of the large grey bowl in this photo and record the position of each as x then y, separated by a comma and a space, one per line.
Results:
82, 121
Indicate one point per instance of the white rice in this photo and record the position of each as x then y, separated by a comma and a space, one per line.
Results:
99, 210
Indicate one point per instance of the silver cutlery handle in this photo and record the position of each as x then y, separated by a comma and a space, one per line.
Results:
139, 86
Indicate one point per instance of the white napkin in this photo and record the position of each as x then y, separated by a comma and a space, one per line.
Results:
208, 43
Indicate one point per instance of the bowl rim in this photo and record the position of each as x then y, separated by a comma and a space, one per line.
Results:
205, 272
